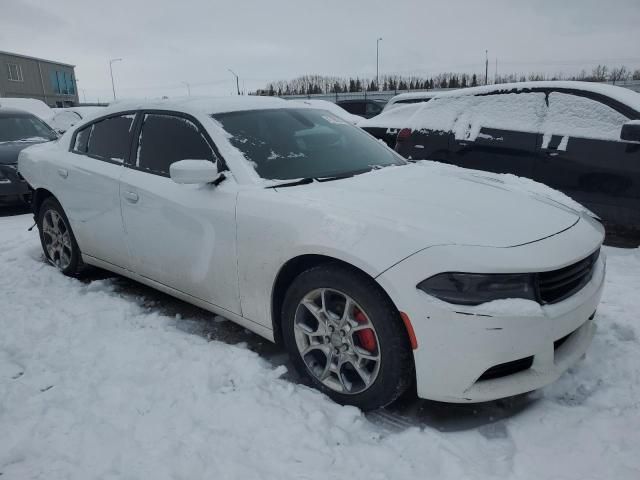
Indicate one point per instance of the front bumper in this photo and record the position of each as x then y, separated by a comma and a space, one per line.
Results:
458, 344
11, 184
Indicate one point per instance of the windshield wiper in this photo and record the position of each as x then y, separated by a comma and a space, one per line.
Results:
329, 178
301, 181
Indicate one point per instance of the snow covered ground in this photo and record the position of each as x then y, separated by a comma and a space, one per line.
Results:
103, 378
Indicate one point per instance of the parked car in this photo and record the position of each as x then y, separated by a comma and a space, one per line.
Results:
388, 124
337, 110
65, 118
373, 272
366, 108
18, 130
580, 138
31, 105
408, 98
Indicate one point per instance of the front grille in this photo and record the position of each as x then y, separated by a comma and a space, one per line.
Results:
557, 285
509, 368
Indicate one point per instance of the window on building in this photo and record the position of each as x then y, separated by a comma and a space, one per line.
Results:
15, 72
62, 83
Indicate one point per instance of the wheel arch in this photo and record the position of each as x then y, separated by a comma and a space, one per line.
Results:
294, 267
38, 197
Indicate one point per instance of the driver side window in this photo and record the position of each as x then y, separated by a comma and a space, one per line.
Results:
165, 139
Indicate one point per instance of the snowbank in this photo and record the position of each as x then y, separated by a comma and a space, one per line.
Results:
96, 383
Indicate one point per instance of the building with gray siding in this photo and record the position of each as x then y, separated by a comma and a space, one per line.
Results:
52, 82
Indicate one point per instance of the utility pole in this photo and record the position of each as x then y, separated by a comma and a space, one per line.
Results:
495, 75
378, 64
188, 88
113, 86
486, 66
237, 80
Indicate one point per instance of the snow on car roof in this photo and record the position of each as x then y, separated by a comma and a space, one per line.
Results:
195, 105
412, 95
393, 118
31, 105
620, 94
327, 105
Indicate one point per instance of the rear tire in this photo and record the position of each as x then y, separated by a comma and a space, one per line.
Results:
345, 337
58, 242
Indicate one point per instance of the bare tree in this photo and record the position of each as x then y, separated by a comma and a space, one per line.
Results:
620, 73
599, 74
636, 74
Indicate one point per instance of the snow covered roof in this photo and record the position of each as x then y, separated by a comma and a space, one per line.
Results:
413, 95
31, 105
206, 105
620, 94
392, 118
337, 110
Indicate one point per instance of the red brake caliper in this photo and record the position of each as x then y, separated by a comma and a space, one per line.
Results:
366, 338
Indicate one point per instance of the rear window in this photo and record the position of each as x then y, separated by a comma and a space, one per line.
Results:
24, 128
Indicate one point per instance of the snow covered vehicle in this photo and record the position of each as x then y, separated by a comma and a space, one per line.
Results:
372, 271
578, 137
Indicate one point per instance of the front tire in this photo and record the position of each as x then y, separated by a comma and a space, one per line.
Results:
58, 242
345, 337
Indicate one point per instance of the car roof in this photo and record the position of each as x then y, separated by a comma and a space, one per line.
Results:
413, 95
14, 112
198, 105
623, 95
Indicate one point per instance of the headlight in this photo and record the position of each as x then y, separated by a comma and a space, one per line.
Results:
477, 288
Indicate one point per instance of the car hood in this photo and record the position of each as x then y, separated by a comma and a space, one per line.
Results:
9, 151
442, 206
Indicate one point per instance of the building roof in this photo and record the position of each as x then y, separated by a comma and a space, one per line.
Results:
13, 54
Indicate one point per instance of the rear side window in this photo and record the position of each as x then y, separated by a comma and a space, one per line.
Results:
110, 138
107, 139
166, 139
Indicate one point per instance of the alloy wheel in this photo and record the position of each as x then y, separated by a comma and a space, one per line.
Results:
57, 239
337, 341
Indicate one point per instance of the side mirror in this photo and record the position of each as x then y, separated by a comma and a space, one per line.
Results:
193, 171
631, 131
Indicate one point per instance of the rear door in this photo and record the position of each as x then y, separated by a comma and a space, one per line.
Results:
182, 236
584, 157
89, 181
498, 132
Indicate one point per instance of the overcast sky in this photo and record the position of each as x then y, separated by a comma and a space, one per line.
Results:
166, 42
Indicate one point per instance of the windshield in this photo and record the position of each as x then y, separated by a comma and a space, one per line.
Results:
24, 128
288, 144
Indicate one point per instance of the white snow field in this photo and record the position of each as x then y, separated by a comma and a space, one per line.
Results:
99, 383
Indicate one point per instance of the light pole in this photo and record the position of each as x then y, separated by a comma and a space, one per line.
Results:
188, 87
237, 80
378, 63
113, 86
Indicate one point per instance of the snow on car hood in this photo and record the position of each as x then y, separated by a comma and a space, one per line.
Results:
443, 206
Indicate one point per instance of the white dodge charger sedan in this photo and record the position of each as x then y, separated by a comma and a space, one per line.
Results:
373, 272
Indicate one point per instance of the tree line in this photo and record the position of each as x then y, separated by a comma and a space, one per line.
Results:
323, 84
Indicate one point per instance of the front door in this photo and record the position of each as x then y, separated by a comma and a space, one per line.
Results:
584, 157
182, 236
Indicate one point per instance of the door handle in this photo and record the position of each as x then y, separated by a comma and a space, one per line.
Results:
132, 197
63, 172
